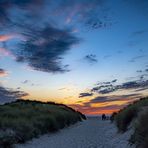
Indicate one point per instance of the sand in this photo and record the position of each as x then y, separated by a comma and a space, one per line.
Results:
92, 133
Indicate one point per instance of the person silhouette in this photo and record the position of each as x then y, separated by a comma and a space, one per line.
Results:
103, 117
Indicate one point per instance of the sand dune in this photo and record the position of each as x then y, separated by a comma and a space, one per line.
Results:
92, 133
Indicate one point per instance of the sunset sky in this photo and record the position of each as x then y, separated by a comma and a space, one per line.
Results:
89, 54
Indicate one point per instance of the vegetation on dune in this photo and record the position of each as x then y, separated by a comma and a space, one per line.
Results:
22, 120
126, 115
137, 112
140, 135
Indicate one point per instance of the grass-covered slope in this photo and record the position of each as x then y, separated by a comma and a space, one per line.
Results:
22, 120
137, 112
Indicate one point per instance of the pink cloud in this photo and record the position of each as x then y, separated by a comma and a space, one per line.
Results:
4, 38
109, 109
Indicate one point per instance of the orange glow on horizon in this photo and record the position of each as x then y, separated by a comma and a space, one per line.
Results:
79, 104
108, 112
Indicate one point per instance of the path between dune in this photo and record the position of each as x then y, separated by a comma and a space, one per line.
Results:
92, 133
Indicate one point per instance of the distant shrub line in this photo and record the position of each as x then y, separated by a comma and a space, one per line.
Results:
23, 120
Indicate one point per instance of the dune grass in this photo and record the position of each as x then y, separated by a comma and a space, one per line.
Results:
140, 135
23, 120
137, 112
124, 117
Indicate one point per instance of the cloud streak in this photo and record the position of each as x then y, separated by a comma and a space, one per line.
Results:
111, 86
9, 95
105, 89
91, 58
103, 99
134, 59
85, 95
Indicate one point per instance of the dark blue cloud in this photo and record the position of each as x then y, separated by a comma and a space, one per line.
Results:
91, 58
8, 95
85, 95
115, 80
101, 99
111, 86
127, 85
104, 87
44, 47
107, 82
44, 43
107, 90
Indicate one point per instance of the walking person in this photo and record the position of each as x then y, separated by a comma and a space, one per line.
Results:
103, 117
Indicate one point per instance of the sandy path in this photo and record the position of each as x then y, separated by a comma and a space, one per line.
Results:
92, 133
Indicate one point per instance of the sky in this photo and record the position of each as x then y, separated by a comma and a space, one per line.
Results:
88, 54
